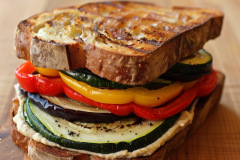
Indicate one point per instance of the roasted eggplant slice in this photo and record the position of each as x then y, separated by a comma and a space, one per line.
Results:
71, 110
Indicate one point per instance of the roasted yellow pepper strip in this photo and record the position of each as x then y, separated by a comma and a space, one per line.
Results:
138, 95
188, 85
47, 71
153, 98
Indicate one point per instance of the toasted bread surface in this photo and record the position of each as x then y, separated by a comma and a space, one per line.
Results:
203, 108
126, 42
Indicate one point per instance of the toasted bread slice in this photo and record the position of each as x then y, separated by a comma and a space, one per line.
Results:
126, 42
40, 151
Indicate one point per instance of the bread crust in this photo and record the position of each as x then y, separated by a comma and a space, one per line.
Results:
136, 64
19, 139
203, 108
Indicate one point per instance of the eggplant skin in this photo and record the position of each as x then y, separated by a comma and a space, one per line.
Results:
71, 115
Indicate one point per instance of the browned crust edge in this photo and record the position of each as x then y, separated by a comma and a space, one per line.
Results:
203, 108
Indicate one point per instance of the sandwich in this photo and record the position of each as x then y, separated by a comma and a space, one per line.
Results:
113, 80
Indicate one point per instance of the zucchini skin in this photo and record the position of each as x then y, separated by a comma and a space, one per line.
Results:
193, 67
93, 80
103, 148
185, 77
185, 68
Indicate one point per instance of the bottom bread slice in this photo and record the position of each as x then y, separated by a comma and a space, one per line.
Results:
39, 151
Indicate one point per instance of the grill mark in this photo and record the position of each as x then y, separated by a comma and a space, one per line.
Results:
124, 45
153, 42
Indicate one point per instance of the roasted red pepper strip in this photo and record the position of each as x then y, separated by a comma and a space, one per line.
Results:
201, 88
38, 83
207, 84
176, 105
117, 109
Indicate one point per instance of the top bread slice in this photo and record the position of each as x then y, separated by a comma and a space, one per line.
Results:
127, 42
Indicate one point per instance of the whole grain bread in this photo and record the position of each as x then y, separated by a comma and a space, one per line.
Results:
203, 108
126, 42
